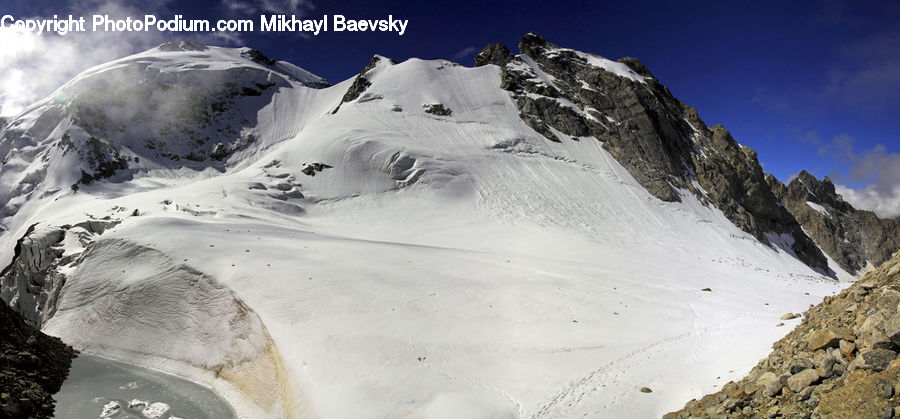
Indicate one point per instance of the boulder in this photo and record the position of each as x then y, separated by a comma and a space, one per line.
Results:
824, 364
847, 348
875, 359
802, 380
799, 364
828, 337
888, 300
891, 329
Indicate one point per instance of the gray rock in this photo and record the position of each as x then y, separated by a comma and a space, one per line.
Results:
887, 391
799, 364
804, 394
773, 388
801, 380
496, 54
887, 301
851, 237
892, 329
824, 364
828, 337
875, 359
839, 370
437, 109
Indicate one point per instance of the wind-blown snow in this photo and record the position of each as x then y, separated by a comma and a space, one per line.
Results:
448, 266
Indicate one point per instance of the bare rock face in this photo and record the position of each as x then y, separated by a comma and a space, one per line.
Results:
838, 363
33, 367
496, 54
854, 238
566, 95
360, 83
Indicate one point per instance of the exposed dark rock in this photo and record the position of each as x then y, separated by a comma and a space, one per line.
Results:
313, 168
636, 65
360, 83
875, 359
662, 142
497, 54
33, 367
103, 160
437, 109
258, 57
854, 238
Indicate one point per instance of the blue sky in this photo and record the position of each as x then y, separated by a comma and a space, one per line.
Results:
809, 85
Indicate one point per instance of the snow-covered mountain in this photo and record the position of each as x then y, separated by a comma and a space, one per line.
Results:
537, 236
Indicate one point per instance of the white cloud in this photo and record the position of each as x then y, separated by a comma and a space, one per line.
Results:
464, 53
33, 66
885, 204
240, 6
877, 168
273, 6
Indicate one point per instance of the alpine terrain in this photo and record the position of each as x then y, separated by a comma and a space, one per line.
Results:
546, 234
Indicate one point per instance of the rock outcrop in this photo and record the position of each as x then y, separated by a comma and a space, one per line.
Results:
840, 362
855, 239
567, 95
33, 367
360, 83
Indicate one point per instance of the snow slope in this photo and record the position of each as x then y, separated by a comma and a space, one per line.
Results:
443, 266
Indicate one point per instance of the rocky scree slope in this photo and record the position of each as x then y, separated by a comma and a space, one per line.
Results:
33, 366
840, 362
568, 95
857, 240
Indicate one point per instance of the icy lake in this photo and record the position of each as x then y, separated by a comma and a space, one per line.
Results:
99, 387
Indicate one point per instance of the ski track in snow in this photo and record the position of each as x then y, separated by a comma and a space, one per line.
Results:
609, 374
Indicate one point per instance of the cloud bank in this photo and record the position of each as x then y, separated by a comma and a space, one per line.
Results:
33, 66
876, 167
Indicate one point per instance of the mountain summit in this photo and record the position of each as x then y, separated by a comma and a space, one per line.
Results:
540, 235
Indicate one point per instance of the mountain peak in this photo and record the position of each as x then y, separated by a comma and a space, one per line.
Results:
497, 54
570, 96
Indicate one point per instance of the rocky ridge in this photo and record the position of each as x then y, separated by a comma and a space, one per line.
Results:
856, 239
840, 362
567, 95
33, 366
